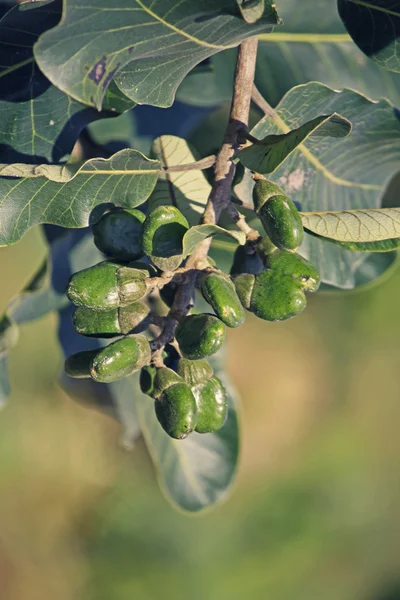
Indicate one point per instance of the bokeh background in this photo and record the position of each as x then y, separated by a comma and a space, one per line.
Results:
315, 510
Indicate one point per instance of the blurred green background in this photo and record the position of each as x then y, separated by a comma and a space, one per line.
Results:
315, 513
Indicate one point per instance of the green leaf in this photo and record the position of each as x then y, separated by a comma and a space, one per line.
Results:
379, 246
374, 25
186, 190
355, 226
39, 123
145, 45
270, 152
251, 10
335, 174
197, 472
199, 233
67, 195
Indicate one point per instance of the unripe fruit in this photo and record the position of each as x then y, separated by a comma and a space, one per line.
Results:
212, 405
243, 262
276, 297
200, 335
146, 379
78, 365
118, 234
279, 216
162, 235
294, 266
176, 411
107, 285
109, 323
120, 359
219, 291
163, 379
194, 371
244, 285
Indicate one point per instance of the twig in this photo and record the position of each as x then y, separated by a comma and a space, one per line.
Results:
240, 222
199, 165
244, 205
220, 194
261, 102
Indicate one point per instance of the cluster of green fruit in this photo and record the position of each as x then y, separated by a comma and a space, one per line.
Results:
267, 278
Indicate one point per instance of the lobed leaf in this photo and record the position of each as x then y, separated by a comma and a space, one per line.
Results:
67, 195
186, 190
374, 25
269, 153
199, 233
147, 46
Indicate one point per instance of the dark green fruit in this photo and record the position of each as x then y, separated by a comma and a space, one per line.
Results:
194, 371
118, 234
244, 285
162, 235
199, 336
295, 266
243, 262
279, 216
109, 323
176, 411
78, 365
146, 379
212, 405
163, 379
107, 285
219, 291
120, 359
276, 297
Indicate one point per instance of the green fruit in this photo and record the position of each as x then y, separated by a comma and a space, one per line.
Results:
212, 405
243, 262
163, 379
162, 235
120, 359
279, 216
244, 285
146, 379
199, 336
276, 297
194, 371
109, 323
78, 365
294, 266
176, 411
118, 234
219, 291
107, 285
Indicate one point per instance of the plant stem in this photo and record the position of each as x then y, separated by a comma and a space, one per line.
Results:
220, 195
240, 222
200, 165
261, 102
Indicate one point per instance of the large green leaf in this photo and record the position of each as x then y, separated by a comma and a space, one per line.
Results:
199, 233
186, 190
197, 472
267, 154
67, 195
360, 226
147, 46
375, 27
38, 122
329, 174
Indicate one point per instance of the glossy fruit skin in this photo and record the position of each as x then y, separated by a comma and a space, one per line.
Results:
294, 266
219, 291
78, 365
110, 323
212, 405
117, 234
163, 379
244, 285
120, 359
176, 411
276, 297
107, 285
194, 372
162, 235
246, 263
279, 216
200, 336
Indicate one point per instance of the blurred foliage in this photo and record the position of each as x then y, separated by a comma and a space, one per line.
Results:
314, 514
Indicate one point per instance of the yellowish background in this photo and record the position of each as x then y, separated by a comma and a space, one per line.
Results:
315, 514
